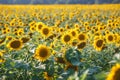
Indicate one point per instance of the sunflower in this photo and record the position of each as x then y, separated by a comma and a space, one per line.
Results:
107, 32
61, 30
66, 38
86, 23
15, 44
74, 33
20, 32
110, 38
88, 28
98, 44
74, 43
42, 53
32, 23
2, 60
114, 73
2, 40
12, 23
81, 45
82, 37
32, 28
46, 31
25, 39
118, 41
47, 76
39, 26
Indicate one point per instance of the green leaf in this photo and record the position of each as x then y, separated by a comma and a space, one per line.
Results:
101, 76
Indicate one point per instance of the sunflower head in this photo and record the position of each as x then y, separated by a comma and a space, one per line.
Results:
25, 39
42, 53
114, 73
66, 38
81, 45
46, 32
15, 44
98, 44
39, 26
82, 37
74, 33
110, 38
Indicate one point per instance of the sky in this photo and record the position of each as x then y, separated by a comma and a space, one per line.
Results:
58, 1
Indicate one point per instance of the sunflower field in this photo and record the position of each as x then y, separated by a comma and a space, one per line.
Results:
60, 42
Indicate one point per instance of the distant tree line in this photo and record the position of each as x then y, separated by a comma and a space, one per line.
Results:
58, 1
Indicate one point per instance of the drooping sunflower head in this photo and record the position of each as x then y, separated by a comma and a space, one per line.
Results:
114, 73
42, 53
15, 44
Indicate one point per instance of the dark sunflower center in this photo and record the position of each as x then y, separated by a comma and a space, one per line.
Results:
15, 44
25, 40
67, 38
39, 26
33, 28
81, 37
73, 33
110, 38
99, 43
45, 31
81, 45
43, 52
61, 30
74, 43
117, 75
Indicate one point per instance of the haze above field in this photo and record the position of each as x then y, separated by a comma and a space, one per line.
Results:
58, 1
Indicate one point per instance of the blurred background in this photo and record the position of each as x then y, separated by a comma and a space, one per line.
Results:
58, 1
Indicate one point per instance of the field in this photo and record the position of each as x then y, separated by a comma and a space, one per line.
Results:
60, 42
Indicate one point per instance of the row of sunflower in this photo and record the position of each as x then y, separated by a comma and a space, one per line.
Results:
59, 42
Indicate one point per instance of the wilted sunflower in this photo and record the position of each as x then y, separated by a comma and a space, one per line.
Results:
114, 73
110, 38
42, 53
15, 44
66, 38
98, 44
